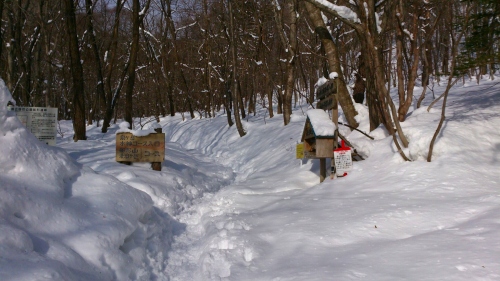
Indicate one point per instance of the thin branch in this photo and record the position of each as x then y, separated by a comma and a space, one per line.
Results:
357, 130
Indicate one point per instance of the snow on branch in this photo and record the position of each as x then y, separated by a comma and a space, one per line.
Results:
339, 11
186, 26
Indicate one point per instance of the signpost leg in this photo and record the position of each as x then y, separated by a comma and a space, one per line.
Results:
335, 145
156, 166
322, 169
335, 120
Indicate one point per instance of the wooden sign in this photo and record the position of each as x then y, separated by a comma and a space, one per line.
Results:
328, 103
130, 148
326, 90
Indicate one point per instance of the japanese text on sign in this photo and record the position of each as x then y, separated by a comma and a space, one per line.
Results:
130, 148
40, 121
343, 161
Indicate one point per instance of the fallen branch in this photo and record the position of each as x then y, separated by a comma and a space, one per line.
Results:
357, 130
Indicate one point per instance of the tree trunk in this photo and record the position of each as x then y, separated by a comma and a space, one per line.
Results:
455, 40
228, 101
170, 99
237, 119
241, 102
1, 35
333, 63
101, 95
134, 49
76, 73
406, 89
112, 96
279, 106
290, 46
358, 91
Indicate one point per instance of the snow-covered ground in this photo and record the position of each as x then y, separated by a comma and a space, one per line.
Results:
231, 208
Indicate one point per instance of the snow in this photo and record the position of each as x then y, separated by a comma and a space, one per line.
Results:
321, 122
150, 129
320, 82
342, 11
231, 208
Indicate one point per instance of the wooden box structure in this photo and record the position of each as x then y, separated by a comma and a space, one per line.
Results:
318, 143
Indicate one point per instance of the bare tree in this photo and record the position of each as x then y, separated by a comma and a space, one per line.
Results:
112, 95
332, 56
461, 23
236, 99
407, 29
290, 45
367, 25
101, 95
76, 73
137, 17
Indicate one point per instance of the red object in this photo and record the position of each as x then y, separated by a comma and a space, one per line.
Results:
343, 147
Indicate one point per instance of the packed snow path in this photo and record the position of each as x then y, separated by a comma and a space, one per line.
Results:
195, 192
187, 178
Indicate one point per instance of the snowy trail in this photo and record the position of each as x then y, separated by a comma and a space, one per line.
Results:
218, 243
246, 209
187, 179
388, 221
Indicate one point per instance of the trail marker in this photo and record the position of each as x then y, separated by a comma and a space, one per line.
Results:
130, 148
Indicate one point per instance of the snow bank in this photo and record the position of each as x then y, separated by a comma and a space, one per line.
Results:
58, 220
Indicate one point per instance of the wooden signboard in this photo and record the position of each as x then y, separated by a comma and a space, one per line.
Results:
328, 103
326, 90
130, 148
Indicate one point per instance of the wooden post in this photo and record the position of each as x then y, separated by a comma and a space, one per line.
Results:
156, 165
335, 120
322, 169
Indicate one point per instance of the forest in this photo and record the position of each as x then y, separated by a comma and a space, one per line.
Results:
99, 60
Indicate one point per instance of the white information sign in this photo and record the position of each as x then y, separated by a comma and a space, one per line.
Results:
40, 121
343, 160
